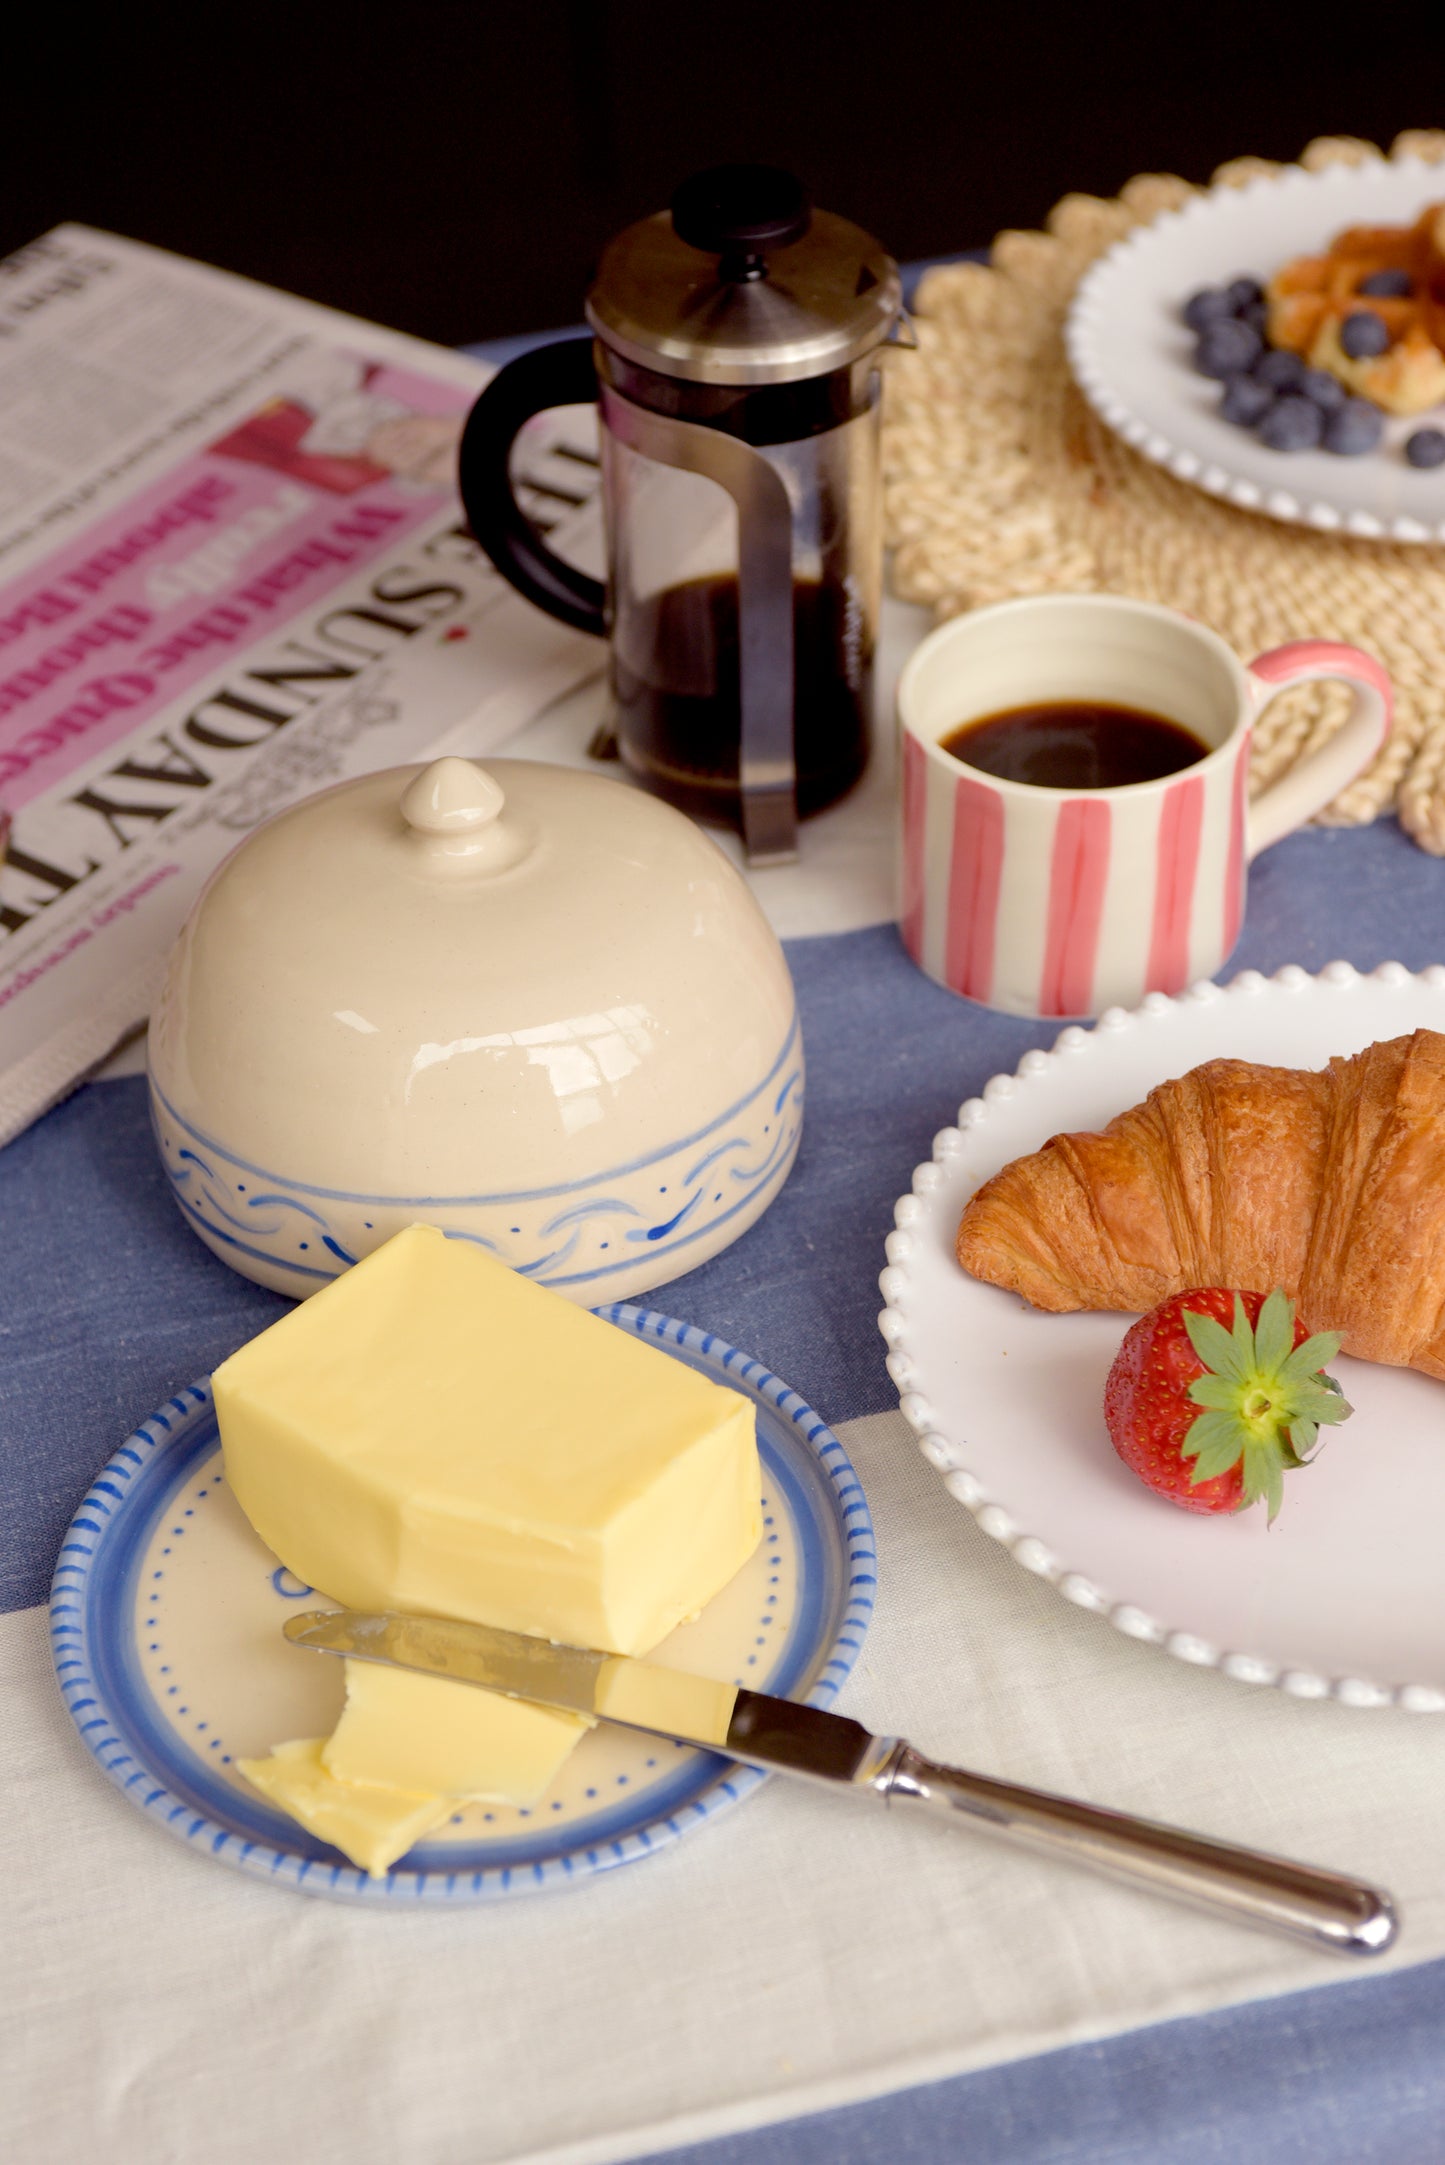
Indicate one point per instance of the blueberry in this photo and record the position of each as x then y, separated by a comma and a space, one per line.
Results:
1356, 427
1225, 348
1246, 400
1326, 390
1208, 305
1242, 292
1280, 370
1387, 285
1255, 314
1292, 424
1426, 447
1363, 335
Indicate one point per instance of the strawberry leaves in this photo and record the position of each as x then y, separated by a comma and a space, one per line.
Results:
1263, 1399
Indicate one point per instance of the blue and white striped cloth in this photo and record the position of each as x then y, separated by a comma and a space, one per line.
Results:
800, 1960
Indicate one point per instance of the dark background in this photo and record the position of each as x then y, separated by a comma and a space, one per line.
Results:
452, 166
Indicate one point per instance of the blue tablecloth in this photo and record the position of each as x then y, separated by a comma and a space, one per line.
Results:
108, 1303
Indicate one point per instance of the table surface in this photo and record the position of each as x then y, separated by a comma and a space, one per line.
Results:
107, 1304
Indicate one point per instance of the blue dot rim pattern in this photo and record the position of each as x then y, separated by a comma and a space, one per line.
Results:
94, 1642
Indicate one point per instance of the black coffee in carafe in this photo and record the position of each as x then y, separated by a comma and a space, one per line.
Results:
676, 685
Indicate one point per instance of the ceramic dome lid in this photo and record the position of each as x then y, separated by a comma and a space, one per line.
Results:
452, 980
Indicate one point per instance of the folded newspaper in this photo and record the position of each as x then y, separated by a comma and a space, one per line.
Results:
233, 570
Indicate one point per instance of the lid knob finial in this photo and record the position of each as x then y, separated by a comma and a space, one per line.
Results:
452, 798
738, 213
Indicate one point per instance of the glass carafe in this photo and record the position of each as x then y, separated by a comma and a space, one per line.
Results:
735, 365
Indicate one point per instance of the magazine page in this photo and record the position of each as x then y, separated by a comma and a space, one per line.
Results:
233, 569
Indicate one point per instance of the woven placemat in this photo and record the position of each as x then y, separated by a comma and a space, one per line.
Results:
1001, 480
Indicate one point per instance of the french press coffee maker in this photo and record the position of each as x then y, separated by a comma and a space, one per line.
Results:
735, 369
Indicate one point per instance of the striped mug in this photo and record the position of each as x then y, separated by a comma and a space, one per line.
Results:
1066, 901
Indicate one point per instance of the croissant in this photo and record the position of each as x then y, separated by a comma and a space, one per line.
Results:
1330, 1184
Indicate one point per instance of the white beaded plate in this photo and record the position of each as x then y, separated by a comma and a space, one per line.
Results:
1130, 352
1342, 1597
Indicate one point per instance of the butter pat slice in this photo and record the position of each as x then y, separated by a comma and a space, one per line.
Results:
371, 1824
434, 1433
427, 1733
666, 1699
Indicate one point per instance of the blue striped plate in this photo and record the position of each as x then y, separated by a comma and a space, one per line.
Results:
166, 1615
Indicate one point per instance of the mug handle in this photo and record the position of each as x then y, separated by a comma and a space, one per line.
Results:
561, 374
1313, 782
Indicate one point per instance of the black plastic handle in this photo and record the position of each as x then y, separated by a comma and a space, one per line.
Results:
558, 375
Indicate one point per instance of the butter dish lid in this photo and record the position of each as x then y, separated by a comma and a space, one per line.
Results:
427, 978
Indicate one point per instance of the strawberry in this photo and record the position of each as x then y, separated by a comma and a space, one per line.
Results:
1215, 1395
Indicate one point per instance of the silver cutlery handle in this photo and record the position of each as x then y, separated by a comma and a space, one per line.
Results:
1325, 1908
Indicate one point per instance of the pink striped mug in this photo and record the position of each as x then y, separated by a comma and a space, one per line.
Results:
1065, 902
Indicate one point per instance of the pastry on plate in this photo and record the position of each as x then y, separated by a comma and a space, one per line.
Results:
1330, 1184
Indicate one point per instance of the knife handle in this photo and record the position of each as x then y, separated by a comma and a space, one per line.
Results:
1325, 1908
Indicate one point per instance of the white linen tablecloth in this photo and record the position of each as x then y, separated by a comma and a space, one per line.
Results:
804, 1951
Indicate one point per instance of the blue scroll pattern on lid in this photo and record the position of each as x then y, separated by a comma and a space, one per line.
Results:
612, 1232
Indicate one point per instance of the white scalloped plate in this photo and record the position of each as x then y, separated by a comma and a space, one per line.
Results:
1342, 1598
1130, 352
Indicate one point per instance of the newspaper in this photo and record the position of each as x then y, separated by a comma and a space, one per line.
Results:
233, 570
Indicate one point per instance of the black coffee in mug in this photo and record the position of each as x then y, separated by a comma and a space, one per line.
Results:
1076, 744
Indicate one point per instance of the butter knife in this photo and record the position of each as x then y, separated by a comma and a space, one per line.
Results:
1325, 1908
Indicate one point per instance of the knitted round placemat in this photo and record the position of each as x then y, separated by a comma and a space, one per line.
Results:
999, 479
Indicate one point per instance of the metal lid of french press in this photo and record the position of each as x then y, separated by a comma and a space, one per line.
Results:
743, 282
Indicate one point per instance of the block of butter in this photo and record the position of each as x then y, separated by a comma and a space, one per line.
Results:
374, 1825
434, 1433
424, 1733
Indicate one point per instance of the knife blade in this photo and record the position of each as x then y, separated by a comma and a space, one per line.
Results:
1326, 1908
779, 1734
